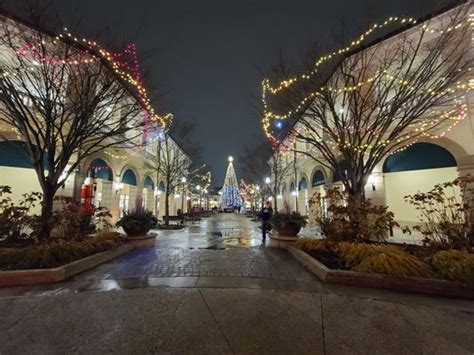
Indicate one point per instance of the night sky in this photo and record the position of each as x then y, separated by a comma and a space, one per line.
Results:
205, 55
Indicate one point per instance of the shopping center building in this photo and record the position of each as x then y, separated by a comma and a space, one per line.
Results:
439, 157
112, 178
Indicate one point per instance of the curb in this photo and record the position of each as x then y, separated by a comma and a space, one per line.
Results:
409, 284
13, 278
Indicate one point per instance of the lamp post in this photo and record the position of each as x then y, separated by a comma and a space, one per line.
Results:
183, 180
267, 183
198, 187
207, 199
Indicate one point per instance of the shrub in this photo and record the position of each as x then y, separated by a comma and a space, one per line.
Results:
281, 220
454, 265
74, 221
137, 222
446, 221
17, 224
352, 220
382, 259
55, 253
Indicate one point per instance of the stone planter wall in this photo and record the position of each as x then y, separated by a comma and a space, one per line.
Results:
359, 279
57, 274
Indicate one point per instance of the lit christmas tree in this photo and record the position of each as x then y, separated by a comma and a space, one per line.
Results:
230, 196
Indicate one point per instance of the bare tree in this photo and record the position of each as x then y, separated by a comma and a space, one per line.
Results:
65, 101
175, 159
381, 98
265, 161
172, 164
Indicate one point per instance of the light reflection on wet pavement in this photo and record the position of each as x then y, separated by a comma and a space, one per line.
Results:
223, 245
218, 232
224, 250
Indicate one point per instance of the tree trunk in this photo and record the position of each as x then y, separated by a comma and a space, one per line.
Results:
46, 211
275, 198
167, 205
357, 214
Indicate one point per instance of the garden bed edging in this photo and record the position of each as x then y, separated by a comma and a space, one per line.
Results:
360, 279
11, 278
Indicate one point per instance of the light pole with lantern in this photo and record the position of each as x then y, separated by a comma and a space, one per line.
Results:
267, 184
183, 181
207, 199
198, 187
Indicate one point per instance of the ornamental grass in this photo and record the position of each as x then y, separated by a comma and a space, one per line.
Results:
453, 265
56, 253
382, 259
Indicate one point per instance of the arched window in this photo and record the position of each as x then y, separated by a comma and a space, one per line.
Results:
100, 169
292, 186
283, 189
303, 185
129, 178
148, 183
419, 156
161, 186
14, 154
318, 179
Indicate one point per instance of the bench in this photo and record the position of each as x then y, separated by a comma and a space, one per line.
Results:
175, 219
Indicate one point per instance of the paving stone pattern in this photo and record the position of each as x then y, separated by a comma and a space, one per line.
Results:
224, 245
212, 289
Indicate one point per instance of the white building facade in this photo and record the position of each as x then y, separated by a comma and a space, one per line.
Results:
428, 161
115, 178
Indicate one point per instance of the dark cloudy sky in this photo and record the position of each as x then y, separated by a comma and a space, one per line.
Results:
206, 52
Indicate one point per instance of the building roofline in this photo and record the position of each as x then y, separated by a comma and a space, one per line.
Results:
35, 27
375, 41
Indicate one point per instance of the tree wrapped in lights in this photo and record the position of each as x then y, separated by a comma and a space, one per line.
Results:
378, 99
248, 192
230, 196
267, 162
67, 100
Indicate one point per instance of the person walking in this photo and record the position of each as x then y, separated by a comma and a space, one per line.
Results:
266, 214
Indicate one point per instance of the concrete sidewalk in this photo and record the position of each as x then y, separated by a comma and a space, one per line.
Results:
221, 318
216, 288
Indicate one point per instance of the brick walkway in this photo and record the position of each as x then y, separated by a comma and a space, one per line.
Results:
222, 245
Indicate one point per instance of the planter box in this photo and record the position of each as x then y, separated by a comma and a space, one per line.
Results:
410, 284
281, 241
143, 241
47, 276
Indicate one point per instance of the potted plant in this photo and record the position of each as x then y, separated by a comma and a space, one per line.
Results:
288, 223
138, 221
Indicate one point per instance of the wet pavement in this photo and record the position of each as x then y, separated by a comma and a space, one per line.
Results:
224, 245
214, 288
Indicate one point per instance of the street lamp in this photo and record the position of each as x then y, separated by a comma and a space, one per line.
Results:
183, 180
198, 187
267, 183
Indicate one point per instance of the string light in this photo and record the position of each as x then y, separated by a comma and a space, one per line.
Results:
128, 71
269, 117
266, 85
